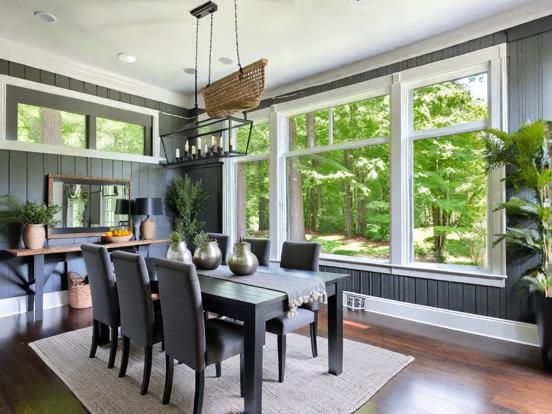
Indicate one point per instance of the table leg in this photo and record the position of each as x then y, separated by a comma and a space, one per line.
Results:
40, 281
335, 330
253, 361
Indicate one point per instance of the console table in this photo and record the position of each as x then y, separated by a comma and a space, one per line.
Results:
38, 277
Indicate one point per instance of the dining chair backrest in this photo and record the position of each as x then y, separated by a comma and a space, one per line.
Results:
105, 304
182, 312
222, 241
134, 292
300, 255
261, 249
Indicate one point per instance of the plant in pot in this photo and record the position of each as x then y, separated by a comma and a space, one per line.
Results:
525, 155
207, 254
187, 200
33, 215
178, 250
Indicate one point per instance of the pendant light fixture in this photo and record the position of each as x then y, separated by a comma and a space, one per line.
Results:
216, 137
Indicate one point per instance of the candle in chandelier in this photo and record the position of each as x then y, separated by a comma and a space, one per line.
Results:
186, 150
199, 151
213, 143
206, 150
193, 151
177, 154
221, 145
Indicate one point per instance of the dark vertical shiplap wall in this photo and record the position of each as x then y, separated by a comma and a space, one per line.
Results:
23, 174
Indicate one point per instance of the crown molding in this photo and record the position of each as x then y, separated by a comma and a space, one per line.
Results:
463, 34
40, 59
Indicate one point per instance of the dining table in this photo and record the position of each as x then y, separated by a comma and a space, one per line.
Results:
254, 306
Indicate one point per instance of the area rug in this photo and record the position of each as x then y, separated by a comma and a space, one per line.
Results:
308, 388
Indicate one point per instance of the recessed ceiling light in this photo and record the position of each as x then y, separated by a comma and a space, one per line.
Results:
45, 16
126, 57
226, 60
189, 71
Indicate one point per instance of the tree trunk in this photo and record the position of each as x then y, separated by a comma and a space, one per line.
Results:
348, 196
241, 201
316, 190
263, 201
361, 207
295, 191
50, 126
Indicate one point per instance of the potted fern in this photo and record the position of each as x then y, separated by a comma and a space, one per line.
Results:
33, 215
525, 155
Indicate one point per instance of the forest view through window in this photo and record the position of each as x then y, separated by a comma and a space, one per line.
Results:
340, 197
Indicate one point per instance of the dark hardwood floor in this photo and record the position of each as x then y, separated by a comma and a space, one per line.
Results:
453, 372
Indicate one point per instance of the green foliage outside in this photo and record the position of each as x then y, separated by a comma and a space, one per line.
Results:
15, 211
48, 126
119, 136
187, 199
344, 195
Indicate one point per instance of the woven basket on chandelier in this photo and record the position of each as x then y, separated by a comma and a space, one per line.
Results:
237, 92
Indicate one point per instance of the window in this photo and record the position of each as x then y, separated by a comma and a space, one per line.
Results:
252, 183
37, 117
50, 126
340, 197
450, 185
119, 136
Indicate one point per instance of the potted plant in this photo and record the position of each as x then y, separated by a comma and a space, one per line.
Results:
178, 249
33, 215
525, 155
207, 254
187, 199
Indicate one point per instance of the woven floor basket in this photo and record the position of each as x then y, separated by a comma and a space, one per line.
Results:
236, 92
79, 291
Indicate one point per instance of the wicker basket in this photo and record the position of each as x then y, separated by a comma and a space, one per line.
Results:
79, 291
237, 92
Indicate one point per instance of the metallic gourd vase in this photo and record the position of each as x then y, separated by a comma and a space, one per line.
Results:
243, 262
208, 256
179, 252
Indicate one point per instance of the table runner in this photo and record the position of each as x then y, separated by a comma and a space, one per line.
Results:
298, 288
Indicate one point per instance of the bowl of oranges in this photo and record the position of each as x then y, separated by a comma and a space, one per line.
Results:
116, 236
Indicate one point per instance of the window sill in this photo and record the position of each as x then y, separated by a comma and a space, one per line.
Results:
449, 273
75, 152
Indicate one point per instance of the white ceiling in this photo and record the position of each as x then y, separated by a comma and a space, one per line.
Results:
299, 38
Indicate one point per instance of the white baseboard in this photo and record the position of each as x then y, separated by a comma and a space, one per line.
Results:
13, 306
519, 332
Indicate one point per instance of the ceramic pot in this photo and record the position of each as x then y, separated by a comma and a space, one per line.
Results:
179, 252
208, 256
34, 236
147, 229
243, 262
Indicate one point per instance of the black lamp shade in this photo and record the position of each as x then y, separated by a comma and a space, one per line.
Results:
122, 206
148, 206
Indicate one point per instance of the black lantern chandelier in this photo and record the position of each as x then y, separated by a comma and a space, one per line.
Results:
216, 136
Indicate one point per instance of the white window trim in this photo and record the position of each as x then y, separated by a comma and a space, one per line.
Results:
399, 86
5, 81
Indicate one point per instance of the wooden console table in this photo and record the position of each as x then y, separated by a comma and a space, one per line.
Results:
39, 278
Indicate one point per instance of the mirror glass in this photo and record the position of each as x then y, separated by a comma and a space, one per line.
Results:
89, 205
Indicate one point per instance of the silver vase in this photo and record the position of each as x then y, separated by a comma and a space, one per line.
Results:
243, 262
179, 251
208, 256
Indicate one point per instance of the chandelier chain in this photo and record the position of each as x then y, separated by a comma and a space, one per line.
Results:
210, 48
236, 28
195, 66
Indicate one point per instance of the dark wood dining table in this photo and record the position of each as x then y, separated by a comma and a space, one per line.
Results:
255, 305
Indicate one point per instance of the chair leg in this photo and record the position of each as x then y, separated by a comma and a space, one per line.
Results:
94, 345
313, 334
169, 370
124, 358
113, 347
162, 345
242, 379
199, 388
218, 368
281, 357
147, 369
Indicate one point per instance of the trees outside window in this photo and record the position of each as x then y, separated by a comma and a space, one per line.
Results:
119, 136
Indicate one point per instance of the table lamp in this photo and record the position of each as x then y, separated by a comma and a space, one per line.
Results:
148, 206
122, 208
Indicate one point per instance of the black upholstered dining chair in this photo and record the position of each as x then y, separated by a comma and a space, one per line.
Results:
139, 321
188, 337
298, 256
261, 249
105, 304
222, 241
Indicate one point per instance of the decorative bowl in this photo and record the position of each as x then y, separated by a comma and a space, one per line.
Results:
116, 239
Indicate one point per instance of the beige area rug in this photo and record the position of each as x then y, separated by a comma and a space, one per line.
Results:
308, 388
